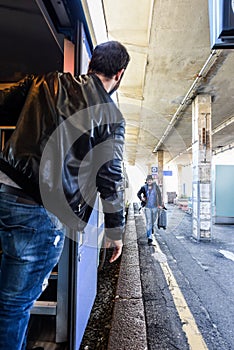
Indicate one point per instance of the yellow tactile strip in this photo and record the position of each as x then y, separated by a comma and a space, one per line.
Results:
195, 339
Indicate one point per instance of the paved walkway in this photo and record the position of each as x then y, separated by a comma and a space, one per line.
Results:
146, 314
128, 330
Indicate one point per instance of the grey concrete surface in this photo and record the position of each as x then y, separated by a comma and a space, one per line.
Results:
145, 316
128, 331
204, 272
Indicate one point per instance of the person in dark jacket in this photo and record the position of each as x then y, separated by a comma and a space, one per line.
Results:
151, 200
67, 146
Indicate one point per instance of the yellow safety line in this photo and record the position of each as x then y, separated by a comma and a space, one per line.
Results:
195, 339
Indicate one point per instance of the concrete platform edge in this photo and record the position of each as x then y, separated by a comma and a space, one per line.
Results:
128, 328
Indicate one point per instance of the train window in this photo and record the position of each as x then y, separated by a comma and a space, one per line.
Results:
83, 53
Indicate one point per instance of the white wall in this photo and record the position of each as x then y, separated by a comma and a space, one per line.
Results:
170, 183
136, 176
224, 158
186, 180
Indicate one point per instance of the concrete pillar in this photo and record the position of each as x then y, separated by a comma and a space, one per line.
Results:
160, 171
202, 156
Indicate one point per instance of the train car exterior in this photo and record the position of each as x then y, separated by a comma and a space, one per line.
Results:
46, 36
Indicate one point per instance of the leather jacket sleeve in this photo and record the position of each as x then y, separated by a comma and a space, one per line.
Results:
12, 100
110, 184
140, 192
159, 195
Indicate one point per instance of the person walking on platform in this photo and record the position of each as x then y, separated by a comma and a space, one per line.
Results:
66, 147
151, 200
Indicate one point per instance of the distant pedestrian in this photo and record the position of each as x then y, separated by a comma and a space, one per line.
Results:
151, 199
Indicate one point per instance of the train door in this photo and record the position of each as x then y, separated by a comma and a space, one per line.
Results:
34, 37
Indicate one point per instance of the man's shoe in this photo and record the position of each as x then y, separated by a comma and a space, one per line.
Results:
150, 241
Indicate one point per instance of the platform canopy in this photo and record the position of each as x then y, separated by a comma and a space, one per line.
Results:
172, 60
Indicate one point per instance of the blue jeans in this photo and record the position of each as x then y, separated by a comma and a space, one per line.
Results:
32, 241
151, 216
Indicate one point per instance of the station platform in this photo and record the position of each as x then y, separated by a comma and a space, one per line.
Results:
150, 310
128, 329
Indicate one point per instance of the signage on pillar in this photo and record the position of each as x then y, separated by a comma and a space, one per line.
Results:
154, 170
167, 172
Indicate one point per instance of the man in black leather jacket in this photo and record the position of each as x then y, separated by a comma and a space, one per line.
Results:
66, 147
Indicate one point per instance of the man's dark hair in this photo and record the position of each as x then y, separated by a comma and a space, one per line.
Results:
108, 59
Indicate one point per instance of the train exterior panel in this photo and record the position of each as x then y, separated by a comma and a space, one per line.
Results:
34, 28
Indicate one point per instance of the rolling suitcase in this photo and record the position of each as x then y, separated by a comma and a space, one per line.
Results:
162, 219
